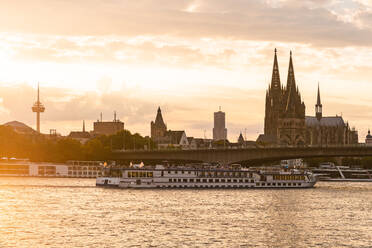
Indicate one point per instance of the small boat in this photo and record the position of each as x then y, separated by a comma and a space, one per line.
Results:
331, 173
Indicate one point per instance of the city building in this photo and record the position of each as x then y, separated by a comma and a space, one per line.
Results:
369, 138
175, 139
285, 120
167, 138
219, 129
203, 143
192, 143
328, 130
158, 128
81, 136
101, 127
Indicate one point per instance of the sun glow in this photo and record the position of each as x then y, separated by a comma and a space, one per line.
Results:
192, 8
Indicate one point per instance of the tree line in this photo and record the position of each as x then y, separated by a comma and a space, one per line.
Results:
44, 148
38, 147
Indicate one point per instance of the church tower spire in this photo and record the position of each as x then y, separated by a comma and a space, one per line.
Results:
275, 79
158, 128
290, 107
294, 107
291, 82
318, 106
273, 106
159, 118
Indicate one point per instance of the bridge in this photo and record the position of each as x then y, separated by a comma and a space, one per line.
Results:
230, 156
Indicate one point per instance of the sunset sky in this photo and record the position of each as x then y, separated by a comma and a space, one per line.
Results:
188, 57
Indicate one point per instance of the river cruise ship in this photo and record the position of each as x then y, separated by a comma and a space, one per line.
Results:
194, 177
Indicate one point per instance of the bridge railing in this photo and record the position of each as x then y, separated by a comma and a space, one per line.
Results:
361, 145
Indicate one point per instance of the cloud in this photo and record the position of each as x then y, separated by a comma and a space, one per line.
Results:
65, 109
191, 112
308, 22
64, 50
187, 56
66, 106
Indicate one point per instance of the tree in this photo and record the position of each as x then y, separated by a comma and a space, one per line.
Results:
38, 147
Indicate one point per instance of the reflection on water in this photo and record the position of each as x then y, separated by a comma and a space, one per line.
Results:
39, 212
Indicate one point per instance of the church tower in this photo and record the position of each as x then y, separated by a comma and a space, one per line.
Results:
292, 120
318, 107
158, 128
273, 101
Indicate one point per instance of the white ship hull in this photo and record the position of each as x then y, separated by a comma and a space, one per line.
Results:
108, 181
124, 184
183, 178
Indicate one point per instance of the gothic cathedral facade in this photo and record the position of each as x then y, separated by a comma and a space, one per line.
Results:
285, 120
285, 111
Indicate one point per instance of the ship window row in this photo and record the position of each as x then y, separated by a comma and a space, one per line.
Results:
277, 184
214, 174
83, 168
206, 186
140, 174
225, 174
288, 177
198, 180
84, 173
181, 172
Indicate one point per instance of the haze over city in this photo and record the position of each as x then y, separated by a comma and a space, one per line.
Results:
189, 57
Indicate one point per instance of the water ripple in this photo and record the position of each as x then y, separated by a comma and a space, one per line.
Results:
47, 212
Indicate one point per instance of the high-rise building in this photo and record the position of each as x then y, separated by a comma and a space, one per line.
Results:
38, 108
219, 130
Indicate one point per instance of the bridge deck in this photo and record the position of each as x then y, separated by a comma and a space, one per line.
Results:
229, 156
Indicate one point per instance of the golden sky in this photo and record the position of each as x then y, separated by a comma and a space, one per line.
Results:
189, 57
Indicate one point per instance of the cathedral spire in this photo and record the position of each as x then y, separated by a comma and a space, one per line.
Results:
318, 102
291, 89
294, 107
291, 103
291, 82
318, 106
275, 79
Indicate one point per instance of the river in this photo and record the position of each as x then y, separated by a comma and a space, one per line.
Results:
52, 212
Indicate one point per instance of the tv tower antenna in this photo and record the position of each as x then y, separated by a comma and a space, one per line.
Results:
38, 108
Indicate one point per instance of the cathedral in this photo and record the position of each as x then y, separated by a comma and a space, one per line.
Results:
285, 120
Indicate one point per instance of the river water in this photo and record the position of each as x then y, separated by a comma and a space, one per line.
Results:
42, 212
